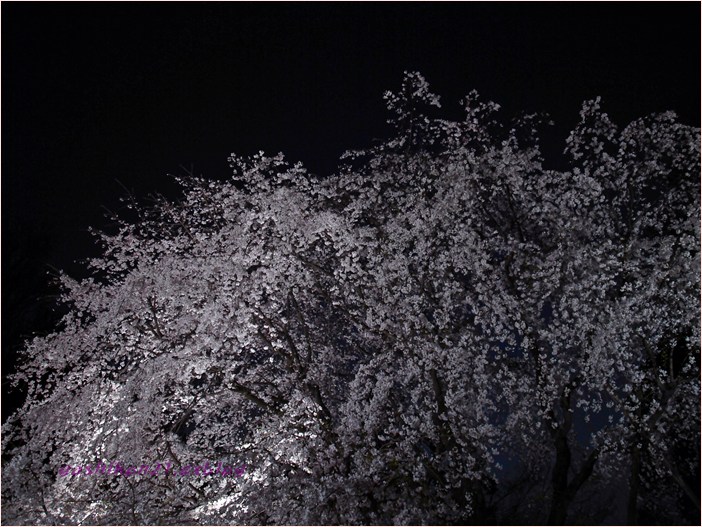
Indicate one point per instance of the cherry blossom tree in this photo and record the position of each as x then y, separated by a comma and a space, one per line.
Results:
390, 344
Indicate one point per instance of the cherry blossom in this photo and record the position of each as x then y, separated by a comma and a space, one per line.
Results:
399, 342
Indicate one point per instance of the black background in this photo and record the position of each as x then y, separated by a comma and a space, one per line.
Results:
94, 93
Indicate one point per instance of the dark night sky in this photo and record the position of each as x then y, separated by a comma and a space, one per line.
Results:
96, 92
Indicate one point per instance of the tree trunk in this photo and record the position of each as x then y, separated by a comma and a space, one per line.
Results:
559, 482
563, 490
632, 510
559, 512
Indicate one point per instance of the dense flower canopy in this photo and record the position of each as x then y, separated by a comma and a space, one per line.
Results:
444, 331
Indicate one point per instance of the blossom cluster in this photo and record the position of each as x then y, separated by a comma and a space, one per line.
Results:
117, 469
378, 341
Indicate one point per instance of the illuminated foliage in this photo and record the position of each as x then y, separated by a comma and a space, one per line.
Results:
390, 344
